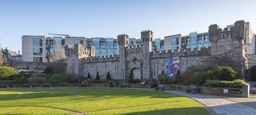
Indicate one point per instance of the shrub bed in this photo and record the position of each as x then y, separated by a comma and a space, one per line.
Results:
238, 83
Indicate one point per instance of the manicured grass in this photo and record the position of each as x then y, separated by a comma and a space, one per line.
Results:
95, 101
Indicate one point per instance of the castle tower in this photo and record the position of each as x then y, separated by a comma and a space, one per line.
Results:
75, 58
123, 43
146, 39
230, 43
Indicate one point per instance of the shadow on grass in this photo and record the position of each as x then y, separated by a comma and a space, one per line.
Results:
33, 93
173, 111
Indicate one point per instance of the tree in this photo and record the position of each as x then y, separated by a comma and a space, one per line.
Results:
88, 76
108, 77
6, 72
131, 76
162, 72
97, 77
57, 55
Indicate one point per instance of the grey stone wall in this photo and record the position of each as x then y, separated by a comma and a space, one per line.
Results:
103, 68
147, 64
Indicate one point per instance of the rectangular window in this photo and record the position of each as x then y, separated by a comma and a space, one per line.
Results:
102, 44
88, 44
174, 41
76, 41
37, 51
193, 38
115, 45
37, 59
37, 42
162, 45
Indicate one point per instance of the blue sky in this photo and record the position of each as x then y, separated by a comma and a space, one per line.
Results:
108, 18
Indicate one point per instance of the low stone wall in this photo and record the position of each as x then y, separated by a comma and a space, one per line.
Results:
204, 90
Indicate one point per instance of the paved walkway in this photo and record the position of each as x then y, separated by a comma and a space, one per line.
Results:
221, 105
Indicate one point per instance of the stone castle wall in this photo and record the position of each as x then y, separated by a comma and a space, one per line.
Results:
147, 64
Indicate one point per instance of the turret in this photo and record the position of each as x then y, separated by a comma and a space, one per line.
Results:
123, 43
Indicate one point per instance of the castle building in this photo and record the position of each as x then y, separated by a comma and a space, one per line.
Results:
175, 53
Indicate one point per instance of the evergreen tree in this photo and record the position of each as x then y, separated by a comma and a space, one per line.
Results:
108, 76
162, 71
97, 77
88, 76
131, 76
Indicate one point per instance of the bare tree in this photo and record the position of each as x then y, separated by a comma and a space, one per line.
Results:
57, 58
228, 56
57, 54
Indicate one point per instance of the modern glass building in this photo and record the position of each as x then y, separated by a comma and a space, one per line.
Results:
41, 46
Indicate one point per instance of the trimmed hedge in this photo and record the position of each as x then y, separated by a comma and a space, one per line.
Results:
238, 83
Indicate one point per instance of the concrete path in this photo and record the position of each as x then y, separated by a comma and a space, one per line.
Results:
223, 105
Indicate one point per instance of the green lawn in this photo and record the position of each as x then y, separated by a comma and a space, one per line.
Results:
95, 101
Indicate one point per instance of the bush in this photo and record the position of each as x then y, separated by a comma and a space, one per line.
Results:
56, 78
36, 80
6, 72
214, 73
211, 83
187, 76
238, 83
49, 70
227, 73
222, 73
136, 81
38, 75
253, 73
164, 79
199, 78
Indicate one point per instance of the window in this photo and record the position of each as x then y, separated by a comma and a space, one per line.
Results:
193, 38
37, 59
77, 41
102, 44
175, 41
37, 42
88, 44
37, 51
115, 45
162, 44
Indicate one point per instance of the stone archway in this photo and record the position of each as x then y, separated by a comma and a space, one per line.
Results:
136, 73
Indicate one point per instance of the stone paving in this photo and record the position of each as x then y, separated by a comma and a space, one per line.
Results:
223, 105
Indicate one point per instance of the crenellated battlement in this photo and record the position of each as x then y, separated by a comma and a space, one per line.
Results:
123, 39
134, 49
79, 51
147, 36
181, 53
96, 59
69, 50
236, 31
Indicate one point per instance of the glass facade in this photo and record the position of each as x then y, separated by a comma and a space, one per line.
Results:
104, 46
76, 41
37, 51
37, 42
57, 40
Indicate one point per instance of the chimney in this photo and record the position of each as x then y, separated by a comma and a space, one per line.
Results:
18, 52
